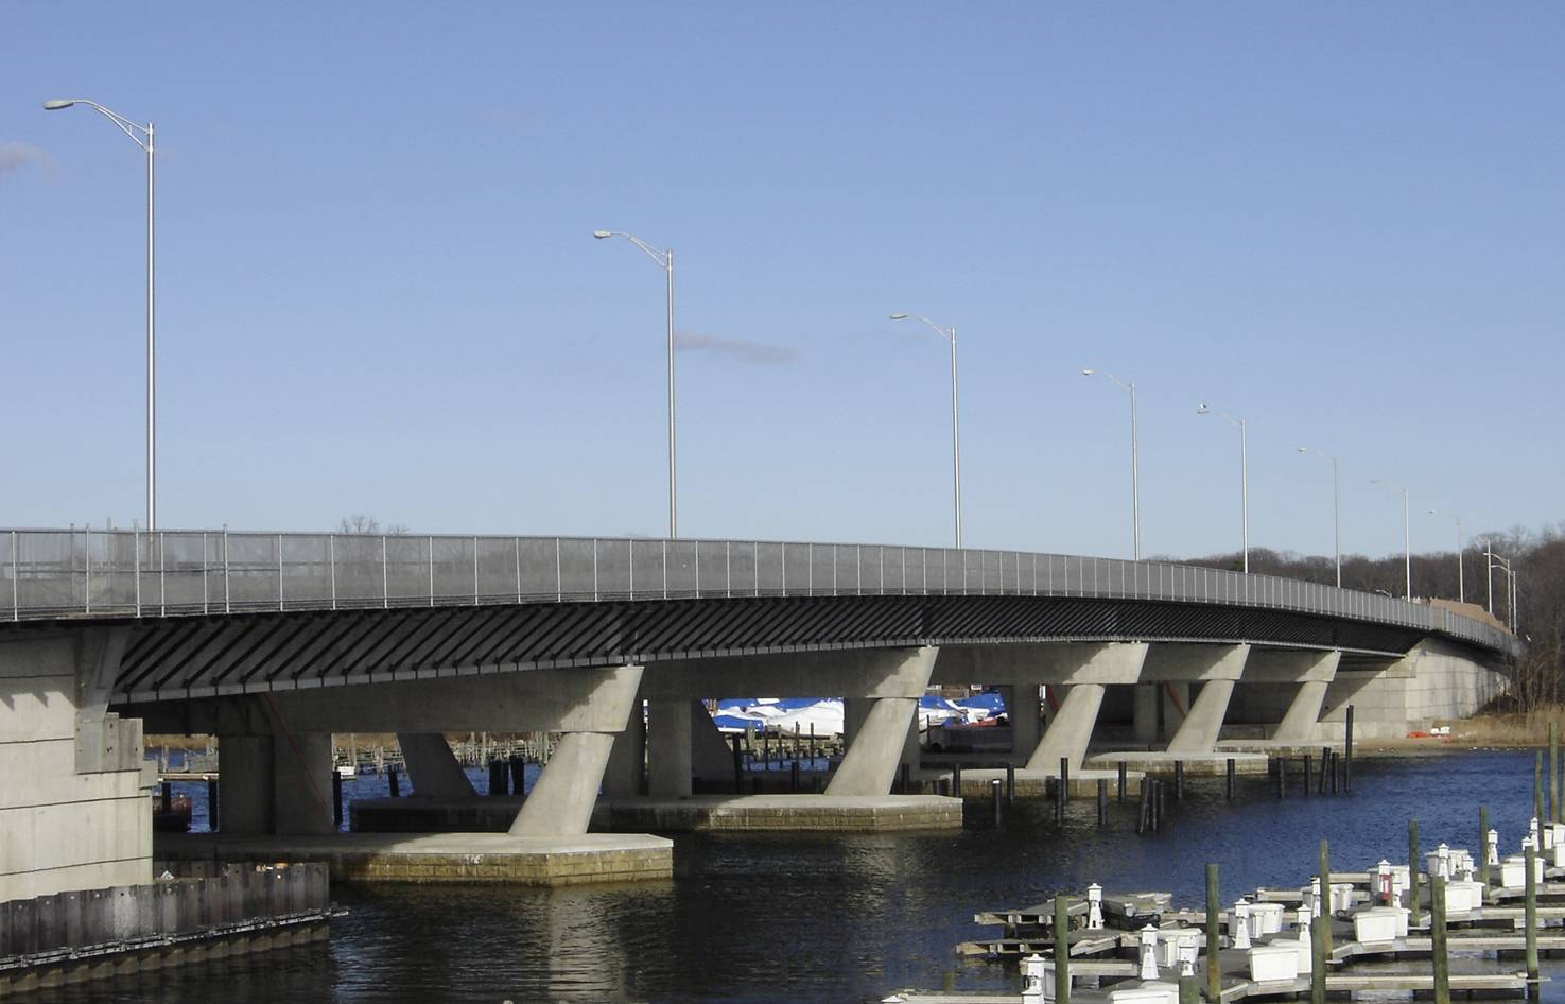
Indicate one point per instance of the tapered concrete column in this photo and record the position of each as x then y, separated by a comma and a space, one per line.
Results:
432, 767
1299, 721
1071, 730
1144, 714
1219, 666
560, 804
302, 783
245, 766
1176, 705
871, 762
626, 775
668, 748
877, 721
1198, 732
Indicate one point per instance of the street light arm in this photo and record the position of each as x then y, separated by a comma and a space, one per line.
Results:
1203, 409
129, 128
1128, 388
661, 257
949, 334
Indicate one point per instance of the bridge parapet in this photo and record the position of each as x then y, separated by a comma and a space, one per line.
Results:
50, 574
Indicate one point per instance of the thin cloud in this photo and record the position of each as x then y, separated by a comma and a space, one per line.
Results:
16, 155
754, 353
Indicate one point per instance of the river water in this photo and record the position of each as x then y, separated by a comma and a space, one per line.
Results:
763, 918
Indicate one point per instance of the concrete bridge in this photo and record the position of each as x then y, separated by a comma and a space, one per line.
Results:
275, 641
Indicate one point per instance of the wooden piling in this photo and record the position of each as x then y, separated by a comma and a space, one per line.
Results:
1062, 951
1554, 772
1325, 891
1010, 783
1438, 954
1325, 758
1317, 960
1336, 769
1063, 791
1232, 770
1120, 769
1189, 990
1144, 810
1179, 779
212, 804
1532, 916
1347, 753
994, 797
1537, 785
1103, 801
1306, 775
956, 780
1282, 777
1483, 848
392, 785
336, 798
1214, 968
1414, 863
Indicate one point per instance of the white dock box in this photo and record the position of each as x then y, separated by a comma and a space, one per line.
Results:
1462, 897
1265, 918
1269, 963
1375, 924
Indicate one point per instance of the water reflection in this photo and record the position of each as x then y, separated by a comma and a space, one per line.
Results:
795, 918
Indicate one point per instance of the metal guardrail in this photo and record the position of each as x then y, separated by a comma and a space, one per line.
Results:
55, 574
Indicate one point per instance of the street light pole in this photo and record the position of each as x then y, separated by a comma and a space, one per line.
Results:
1244, 471
665, 260
949, 334
1461, 586
142, 136
1336, 505
1135, 484
1407, 546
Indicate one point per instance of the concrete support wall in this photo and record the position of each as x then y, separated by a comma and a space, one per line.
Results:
669, 763
626, 773
432, 767
1023, 712
1436, 682
246, 805
1146, 721
73, 814
302, 784
1299, 721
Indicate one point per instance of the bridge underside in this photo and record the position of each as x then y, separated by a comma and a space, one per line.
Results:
200, 656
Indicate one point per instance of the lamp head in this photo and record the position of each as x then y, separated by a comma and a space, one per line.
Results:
1088, 371
57, 105
1304, 449
1202, 409
601, 234
899, 317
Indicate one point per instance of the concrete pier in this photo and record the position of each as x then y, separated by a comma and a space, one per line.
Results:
443, 857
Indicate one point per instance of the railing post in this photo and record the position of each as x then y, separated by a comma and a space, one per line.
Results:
697, 545
136, 554
630, 563
331, 566
385, 575
206, 563
87, 555
809, 559
559, 575
16, 576
431, 543
595, 571
227, 601
518, 569
163, 573
662, 550
279, 571
475, 570
728, 568
755, 558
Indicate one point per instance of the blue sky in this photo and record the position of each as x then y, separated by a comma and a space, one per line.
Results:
378, 291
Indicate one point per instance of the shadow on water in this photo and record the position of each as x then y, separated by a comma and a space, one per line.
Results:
793, 918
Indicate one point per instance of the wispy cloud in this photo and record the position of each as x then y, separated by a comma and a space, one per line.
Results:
754, 353
16, 155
